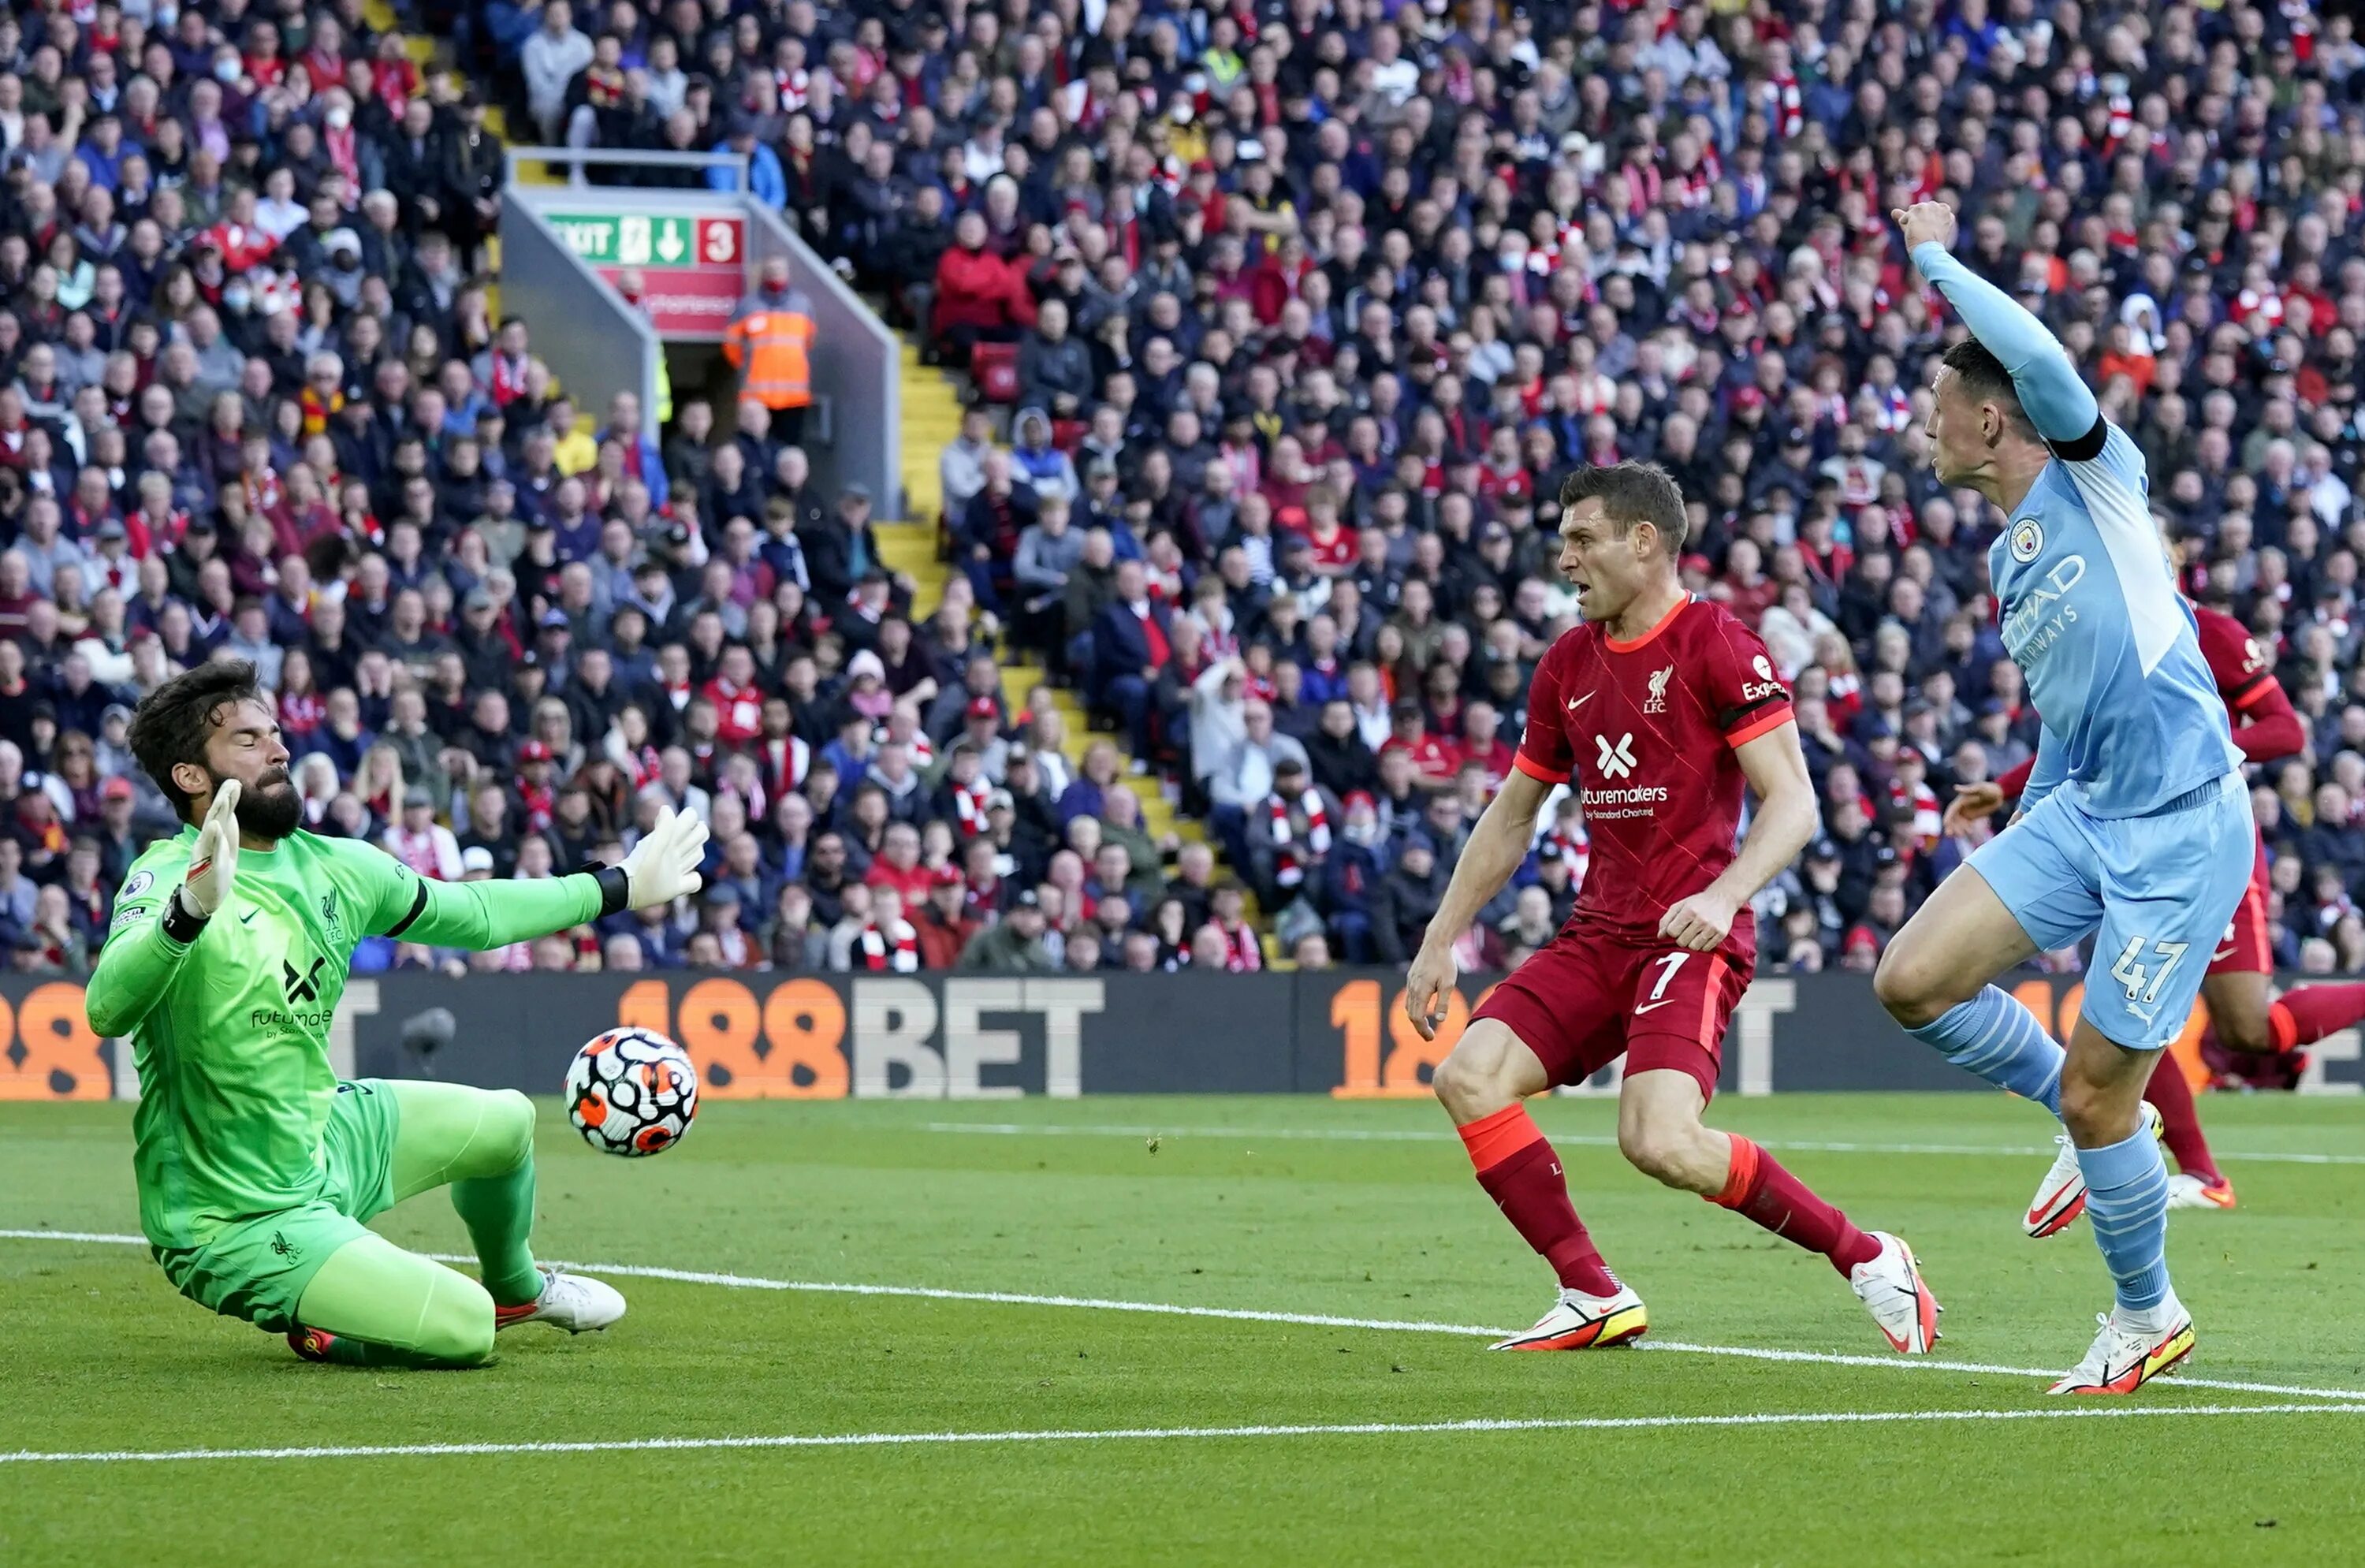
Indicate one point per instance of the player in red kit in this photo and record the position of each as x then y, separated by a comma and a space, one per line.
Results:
2243, 1012
1659, 708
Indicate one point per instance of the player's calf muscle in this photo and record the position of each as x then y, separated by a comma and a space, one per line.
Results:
1660, 1135
1683, 1155
2102, 1087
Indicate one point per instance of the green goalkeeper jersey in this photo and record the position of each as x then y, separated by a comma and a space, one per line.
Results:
230, 1031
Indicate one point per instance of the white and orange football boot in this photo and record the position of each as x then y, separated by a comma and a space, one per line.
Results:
1582, 1321
1891, 1289
2198, 1193
573, 1301
2061, 1196
2131, 1349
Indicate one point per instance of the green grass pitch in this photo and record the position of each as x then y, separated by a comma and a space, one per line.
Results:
1306, 1207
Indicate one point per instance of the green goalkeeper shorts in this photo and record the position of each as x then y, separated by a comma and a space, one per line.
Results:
257, 1268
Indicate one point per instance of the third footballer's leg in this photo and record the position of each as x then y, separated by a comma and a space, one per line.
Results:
480, 1143
2238, 1002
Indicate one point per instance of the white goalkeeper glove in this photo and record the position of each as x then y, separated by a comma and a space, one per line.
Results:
663, 865
213, 859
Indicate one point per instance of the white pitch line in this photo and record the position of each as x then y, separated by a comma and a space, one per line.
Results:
1251, 1314
1579, 1140
1138, 1434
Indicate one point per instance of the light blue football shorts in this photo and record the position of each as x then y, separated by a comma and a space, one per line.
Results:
2156, 890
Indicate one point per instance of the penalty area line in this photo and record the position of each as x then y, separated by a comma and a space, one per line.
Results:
1254, 1315
1159, 1434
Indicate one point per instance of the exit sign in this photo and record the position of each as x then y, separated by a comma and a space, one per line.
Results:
648, 240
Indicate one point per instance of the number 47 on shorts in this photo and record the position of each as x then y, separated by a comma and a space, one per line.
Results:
2144, 980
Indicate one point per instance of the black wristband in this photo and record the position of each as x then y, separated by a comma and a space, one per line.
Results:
181, 923
615, 889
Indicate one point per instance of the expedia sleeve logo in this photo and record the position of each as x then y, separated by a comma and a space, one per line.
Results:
2027, 540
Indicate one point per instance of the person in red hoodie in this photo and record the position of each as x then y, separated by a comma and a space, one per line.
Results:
738, 701
980, 296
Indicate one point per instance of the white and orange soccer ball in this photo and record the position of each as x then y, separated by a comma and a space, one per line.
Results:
632, 1091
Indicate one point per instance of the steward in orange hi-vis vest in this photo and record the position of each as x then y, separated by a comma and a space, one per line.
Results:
769, 342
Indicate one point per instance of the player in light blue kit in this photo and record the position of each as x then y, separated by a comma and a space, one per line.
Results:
2136, 822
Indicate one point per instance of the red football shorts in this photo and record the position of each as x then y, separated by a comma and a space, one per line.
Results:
2246, 950
1587, 997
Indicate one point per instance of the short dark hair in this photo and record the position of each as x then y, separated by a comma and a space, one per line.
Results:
1631, 493
173, 723
1985, 379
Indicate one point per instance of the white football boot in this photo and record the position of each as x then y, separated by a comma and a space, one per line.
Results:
1890, 1287
1582, 1321
2189, 1192
2061, 1196
572, 1302
2133, 1348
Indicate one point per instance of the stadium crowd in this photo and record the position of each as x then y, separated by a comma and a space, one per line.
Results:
1283, 324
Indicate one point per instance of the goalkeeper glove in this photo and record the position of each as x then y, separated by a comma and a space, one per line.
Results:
663, 865
213, 865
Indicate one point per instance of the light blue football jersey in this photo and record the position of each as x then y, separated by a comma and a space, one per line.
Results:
2090, 613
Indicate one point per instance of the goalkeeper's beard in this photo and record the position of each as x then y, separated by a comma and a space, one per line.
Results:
270, 808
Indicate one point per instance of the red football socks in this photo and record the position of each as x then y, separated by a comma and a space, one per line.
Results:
1759, 1189
1518, 1168
2304, 1016
2180, 1119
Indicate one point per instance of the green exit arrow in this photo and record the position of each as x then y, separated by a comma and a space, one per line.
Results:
630, 239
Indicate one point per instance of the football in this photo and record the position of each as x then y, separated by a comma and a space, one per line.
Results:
632, 1091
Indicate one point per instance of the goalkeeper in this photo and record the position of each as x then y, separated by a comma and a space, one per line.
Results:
256, 1166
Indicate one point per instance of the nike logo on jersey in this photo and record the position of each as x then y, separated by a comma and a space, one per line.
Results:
248, 918
1576, 702
1648, 1005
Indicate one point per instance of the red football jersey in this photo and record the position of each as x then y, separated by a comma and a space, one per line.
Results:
1648, 729
2234, 659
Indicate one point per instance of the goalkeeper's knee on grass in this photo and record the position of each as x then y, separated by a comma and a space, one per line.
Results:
373, 1305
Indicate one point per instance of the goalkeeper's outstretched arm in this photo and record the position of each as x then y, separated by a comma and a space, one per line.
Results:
482, 915
2056, 400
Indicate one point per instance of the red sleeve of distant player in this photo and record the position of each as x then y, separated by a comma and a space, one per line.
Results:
2014, 783
1544, 751
2265, 724
2235, 662
1745, 695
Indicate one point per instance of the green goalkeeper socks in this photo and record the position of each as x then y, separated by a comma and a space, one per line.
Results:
480, 1141
499, 1213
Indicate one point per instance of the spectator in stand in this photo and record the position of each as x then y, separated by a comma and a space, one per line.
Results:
980, 296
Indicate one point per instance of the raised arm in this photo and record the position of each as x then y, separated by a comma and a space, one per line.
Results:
2056, 400
483, 915
144, 950
159, 915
